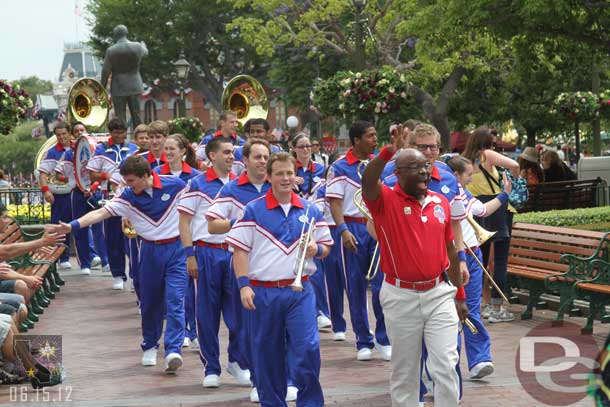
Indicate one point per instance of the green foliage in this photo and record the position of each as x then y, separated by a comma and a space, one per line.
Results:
14, 104
383, 93
34, 86
191, 127
567, 217
18, 149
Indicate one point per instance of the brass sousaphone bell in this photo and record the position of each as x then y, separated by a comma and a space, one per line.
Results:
245, 96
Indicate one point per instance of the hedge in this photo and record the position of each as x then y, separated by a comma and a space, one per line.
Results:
583, 218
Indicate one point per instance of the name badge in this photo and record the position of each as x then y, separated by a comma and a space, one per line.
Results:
164, 197
407, 210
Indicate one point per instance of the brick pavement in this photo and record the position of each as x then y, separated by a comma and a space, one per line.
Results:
101, 335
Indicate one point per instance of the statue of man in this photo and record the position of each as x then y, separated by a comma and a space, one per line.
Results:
123, 62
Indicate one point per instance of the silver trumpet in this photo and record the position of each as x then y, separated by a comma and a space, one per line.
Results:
299, 265
374, 266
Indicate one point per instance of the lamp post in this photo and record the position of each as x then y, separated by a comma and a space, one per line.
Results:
182, 72
359, 5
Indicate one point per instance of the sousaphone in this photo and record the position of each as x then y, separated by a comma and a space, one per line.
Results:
245, 96
87, 103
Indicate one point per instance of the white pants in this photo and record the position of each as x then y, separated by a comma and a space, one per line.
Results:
412, 316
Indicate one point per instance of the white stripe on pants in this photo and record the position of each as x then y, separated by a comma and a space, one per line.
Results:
411, 316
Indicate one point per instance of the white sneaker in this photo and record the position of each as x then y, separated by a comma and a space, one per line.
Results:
241, 375
364, 354
254, 396
384, 350
106, 268
85, 271
486, 311
339, 336
173, 361
480, 370
118, 284
96, 261
149, 358
323, 322
291, 393
211, 380
501, 315
195, 345
65, 265
186, 342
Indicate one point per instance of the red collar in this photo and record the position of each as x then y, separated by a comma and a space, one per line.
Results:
185, 168
273, 203
351, 158
219, 134
435, 173
156, 182
61, 148
210, 175
153, 160
243, 179
311, 165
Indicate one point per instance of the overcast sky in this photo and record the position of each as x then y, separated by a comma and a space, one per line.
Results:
32, 35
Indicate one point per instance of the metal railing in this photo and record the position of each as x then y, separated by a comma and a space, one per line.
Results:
26, 205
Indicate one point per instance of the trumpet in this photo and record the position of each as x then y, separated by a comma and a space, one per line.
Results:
128, 229
471, 326
357, 198
483, 236
299, 265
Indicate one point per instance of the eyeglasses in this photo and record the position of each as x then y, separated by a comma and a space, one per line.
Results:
424, 147
416, 168
315, 145
304, 146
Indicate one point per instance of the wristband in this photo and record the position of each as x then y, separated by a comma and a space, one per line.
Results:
461, 255
320, 250
242, 282
75, 225
503, 197
461, 294
232, 222
104, 176
341, 228
189, 251
385, 154
44, 189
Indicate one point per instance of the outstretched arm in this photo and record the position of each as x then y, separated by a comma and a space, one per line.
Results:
87, 220
11, 250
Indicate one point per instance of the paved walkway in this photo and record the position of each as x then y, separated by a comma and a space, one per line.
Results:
101, 334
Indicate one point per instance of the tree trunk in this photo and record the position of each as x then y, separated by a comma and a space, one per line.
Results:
531, 136
597, 140
436, 111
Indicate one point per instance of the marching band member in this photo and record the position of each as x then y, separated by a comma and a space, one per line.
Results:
254, 128
357, 245
147, 197
417, 299
177, 146
141, 139
478, 347
227, 128
60, 203
335, 279
208, 261
102, 166
310, 177
157, 134
228, 206
279, 320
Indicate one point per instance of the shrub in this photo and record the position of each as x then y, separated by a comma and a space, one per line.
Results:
568, 217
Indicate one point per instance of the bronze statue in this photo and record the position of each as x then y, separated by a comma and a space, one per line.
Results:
123, 62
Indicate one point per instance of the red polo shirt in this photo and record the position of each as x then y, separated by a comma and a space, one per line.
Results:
412, 237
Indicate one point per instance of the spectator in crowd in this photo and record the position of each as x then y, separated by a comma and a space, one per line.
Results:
555, 169
316, 154
529, 167
4, 186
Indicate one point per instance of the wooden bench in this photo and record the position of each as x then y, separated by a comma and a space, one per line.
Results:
573, 194
41, 262
596, 290
551, 259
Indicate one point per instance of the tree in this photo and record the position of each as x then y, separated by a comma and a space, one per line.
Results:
18, 149
197, 27
409, 35
34, 86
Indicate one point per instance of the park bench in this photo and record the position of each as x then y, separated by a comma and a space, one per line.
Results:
40, 262
596, 290
573, 194
552, 259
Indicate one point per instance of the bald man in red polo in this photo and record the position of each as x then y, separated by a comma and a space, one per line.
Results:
421, 268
